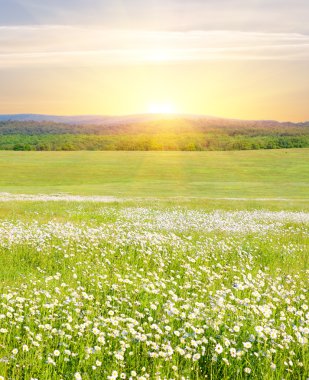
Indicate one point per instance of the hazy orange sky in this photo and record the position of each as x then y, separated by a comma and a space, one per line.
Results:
244, 59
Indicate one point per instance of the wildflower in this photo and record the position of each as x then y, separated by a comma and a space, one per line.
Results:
226, 361
233, 352
96, 331
219, 349
196, 357
273, 366
258, 329
50, 361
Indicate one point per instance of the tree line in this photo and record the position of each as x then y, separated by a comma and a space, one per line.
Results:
46, 136
140, 142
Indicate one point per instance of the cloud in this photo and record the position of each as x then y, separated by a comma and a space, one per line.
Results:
87, 46
245, 15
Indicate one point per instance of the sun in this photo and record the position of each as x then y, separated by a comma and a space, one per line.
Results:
162, 108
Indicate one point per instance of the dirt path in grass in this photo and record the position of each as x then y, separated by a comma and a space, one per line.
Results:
9, 197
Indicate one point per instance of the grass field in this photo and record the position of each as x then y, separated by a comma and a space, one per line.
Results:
248, 174
165, 283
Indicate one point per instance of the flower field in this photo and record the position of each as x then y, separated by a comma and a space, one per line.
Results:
141, 292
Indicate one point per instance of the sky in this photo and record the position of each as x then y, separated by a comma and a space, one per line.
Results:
246, 59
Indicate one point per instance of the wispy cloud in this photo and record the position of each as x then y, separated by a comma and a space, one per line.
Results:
245, 15
58, 45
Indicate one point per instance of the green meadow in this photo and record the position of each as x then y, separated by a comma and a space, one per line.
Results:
196, 269
236, 174
152, 291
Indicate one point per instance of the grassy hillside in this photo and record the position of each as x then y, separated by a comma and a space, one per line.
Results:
248, 174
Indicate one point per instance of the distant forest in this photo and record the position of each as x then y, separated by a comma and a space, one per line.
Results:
170, 134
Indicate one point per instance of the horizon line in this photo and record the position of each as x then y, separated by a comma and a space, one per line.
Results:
154, 114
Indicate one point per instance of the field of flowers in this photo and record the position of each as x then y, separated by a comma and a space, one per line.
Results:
128, 292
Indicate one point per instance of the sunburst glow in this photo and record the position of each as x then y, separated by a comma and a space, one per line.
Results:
162, 108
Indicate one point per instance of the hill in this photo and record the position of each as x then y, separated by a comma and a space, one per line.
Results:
103, 121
